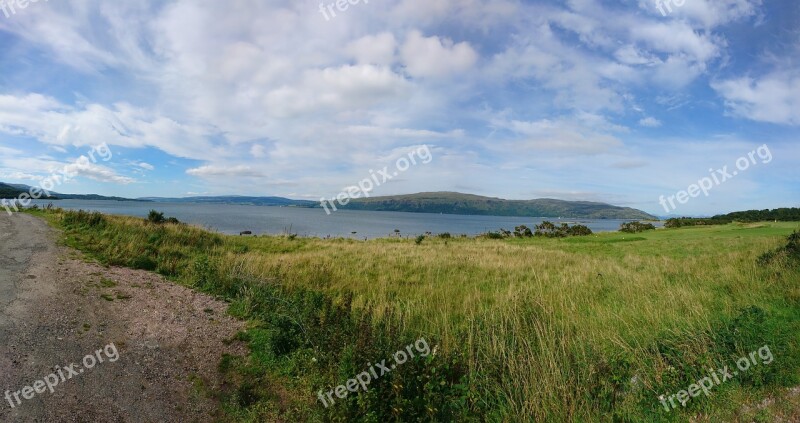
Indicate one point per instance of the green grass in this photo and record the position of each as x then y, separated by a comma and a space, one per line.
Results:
107, 283
578, 329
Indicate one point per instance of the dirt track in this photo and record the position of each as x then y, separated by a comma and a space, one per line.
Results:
55, 309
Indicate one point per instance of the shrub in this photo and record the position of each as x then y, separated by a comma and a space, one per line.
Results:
580, 230
550, 230
522, 231
80, 218
636, 227
143, 263
156, 217
445, 235
546, 229
419, 239
788, 253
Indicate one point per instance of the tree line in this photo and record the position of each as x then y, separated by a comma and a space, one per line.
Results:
780, 215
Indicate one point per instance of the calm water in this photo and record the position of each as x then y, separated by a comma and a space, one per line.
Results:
232, 219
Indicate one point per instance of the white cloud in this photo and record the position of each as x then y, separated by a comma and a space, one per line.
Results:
84, 167
582, 135
708, 13
52, 122
146, 166
20, 176
226, 171
774, 98
373, 49
650, 122
436, 57
258, 151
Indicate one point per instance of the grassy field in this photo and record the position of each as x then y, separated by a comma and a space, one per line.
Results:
590, 328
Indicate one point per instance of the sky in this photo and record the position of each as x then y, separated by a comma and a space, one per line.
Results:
627, 102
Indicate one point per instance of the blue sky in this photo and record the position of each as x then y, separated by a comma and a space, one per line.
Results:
612, 101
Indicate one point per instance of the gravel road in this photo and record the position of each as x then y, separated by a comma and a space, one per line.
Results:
56, 308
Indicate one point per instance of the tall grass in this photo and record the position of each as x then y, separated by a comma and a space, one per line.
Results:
583, 329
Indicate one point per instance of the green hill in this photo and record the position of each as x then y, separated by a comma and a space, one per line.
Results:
457, 203
9, 192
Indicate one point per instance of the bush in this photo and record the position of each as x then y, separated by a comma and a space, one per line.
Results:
156, 217
580, 230
550, 230
143, 263
445, 235
80, 218
546, 229
419, 239
783, 255
636, 227
522, 231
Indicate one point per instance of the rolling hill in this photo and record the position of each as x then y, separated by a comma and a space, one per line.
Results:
457, 203
12, 191
236, 199
9, 191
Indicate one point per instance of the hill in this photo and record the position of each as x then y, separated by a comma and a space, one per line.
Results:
457, 203
236, 199
9, 192
60, 196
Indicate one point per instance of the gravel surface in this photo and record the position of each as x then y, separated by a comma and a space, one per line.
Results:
56, 308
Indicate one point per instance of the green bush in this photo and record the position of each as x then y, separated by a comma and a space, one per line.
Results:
80, 218
636, 227
522, 231
155, 217
550, 230
580, 230
143, 263
789, 253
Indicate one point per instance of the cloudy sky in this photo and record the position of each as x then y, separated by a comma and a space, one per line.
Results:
616, 101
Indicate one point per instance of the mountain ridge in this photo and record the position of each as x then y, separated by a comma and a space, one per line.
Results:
471, 204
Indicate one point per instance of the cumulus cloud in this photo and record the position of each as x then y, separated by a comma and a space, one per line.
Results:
650, 122
52, 122
84, 167
226, 171
774, 98
19, 176
436, 57
376, 49
582, 135
707, 13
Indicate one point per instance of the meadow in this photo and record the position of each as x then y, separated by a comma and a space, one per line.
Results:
592, 328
